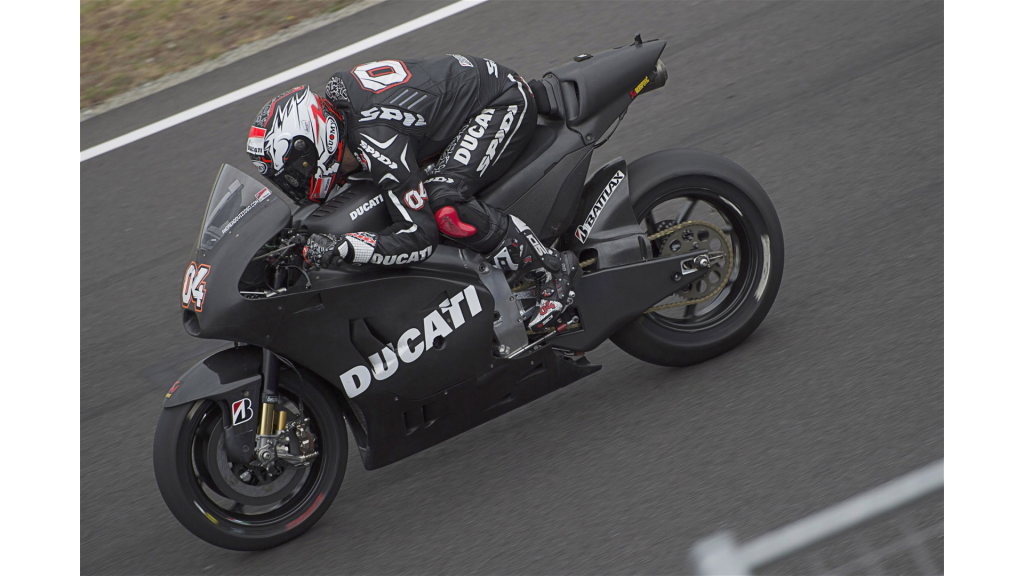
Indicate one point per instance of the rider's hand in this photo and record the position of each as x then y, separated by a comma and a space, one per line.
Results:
325, 250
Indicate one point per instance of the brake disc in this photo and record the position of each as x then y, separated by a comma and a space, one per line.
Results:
694, 235
226, 479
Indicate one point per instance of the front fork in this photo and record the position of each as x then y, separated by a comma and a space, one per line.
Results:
267, 434
270, 427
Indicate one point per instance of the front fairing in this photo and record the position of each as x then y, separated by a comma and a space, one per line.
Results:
241, 215
333, 321
235, 200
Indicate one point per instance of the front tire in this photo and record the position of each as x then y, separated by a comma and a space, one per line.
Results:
702, 331
186, 443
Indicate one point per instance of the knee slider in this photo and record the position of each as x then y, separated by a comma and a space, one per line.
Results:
449, 223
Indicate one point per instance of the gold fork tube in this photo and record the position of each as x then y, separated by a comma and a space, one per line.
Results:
267, 420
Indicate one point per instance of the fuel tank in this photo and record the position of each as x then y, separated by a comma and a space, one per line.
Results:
357, 208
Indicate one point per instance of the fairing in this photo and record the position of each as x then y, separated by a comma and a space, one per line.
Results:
234, 196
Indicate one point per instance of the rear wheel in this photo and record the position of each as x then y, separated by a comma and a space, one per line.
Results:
712, 315
249, 507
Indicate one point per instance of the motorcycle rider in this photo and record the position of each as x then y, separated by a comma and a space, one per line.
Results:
466, 118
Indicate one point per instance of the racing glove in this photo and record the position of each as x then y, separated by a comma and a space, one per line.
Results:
331, 251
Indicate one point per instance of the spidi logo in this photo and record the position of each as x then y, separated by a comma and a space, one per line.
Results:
413, 343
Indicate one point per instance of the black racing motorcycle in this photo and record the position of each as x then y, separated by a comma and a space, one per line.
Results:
681, 257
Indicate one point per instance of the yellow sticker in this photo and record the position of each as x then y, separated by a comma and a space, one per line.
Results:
640, 86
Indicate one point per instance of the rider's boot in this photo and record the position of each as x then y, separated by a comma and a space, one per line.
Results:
520, 251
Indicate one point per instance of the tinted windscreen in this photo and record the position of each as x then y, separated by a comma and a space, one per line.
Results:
234, 195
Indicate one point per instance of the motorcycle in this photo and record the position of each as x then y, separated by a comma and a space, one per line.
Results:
681, 257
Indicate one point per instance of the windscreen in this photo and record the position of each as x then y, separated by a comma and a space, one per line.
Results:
234, 195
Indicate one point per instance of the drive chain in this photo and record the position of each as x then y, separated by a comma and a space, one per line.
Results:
725, 276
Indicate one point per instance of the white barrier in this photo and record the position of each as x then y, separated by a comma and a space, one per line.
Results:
721, 554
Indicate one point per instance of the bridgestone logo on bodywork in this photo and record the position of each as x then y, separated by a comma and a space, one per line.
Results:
241, 412
413, 343
583, 230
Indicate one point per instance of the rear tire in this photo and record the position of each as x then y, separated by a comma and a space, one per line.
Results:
183, 437
739, 309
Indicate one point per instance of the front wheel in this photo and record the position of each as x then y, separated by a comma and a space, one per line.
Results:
249, 507
712, 315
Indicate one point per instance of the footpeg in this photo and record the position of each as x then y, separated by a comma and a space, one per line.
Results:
557, 331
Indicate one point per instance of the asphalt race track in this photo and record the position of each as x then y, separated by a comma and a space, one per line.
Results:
836, 108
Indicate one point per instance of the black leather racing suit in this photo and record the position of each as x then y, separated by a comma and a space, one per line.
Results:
476, 114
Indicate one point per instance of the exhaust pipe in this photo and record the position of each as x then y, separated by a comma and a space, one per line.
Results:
655, 79
659, 76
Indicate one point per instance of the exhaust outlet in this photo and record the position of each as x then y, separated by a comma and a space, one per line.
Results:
659, 76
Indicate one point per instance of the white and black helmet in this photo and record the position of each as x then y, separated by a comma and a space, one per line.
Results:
296, 142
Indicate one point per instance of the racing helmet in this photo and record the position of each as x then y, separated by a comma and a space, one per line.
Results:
296, 142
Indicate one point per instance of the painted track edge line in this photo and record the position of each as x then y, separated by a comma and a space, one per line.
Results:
226, 59
196, 111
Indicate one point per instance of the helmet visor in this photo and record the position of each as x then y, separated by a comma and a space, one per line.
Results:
299, 170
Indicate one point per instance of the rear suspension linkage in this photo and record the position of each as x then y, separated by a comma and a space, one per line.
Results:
714, 258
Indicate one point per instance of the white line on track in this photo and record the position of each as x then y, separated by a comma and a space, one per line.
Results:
276, 79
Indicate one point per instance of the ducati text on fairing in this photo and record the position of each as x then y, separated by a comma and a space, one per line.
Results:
413, 342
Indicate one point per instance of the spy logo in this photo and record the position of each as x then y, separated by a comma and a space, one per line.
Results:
241, 411
194, 286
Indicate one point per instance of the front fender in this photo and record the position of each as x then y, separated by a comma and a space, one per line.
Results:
218, 376
232, 378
